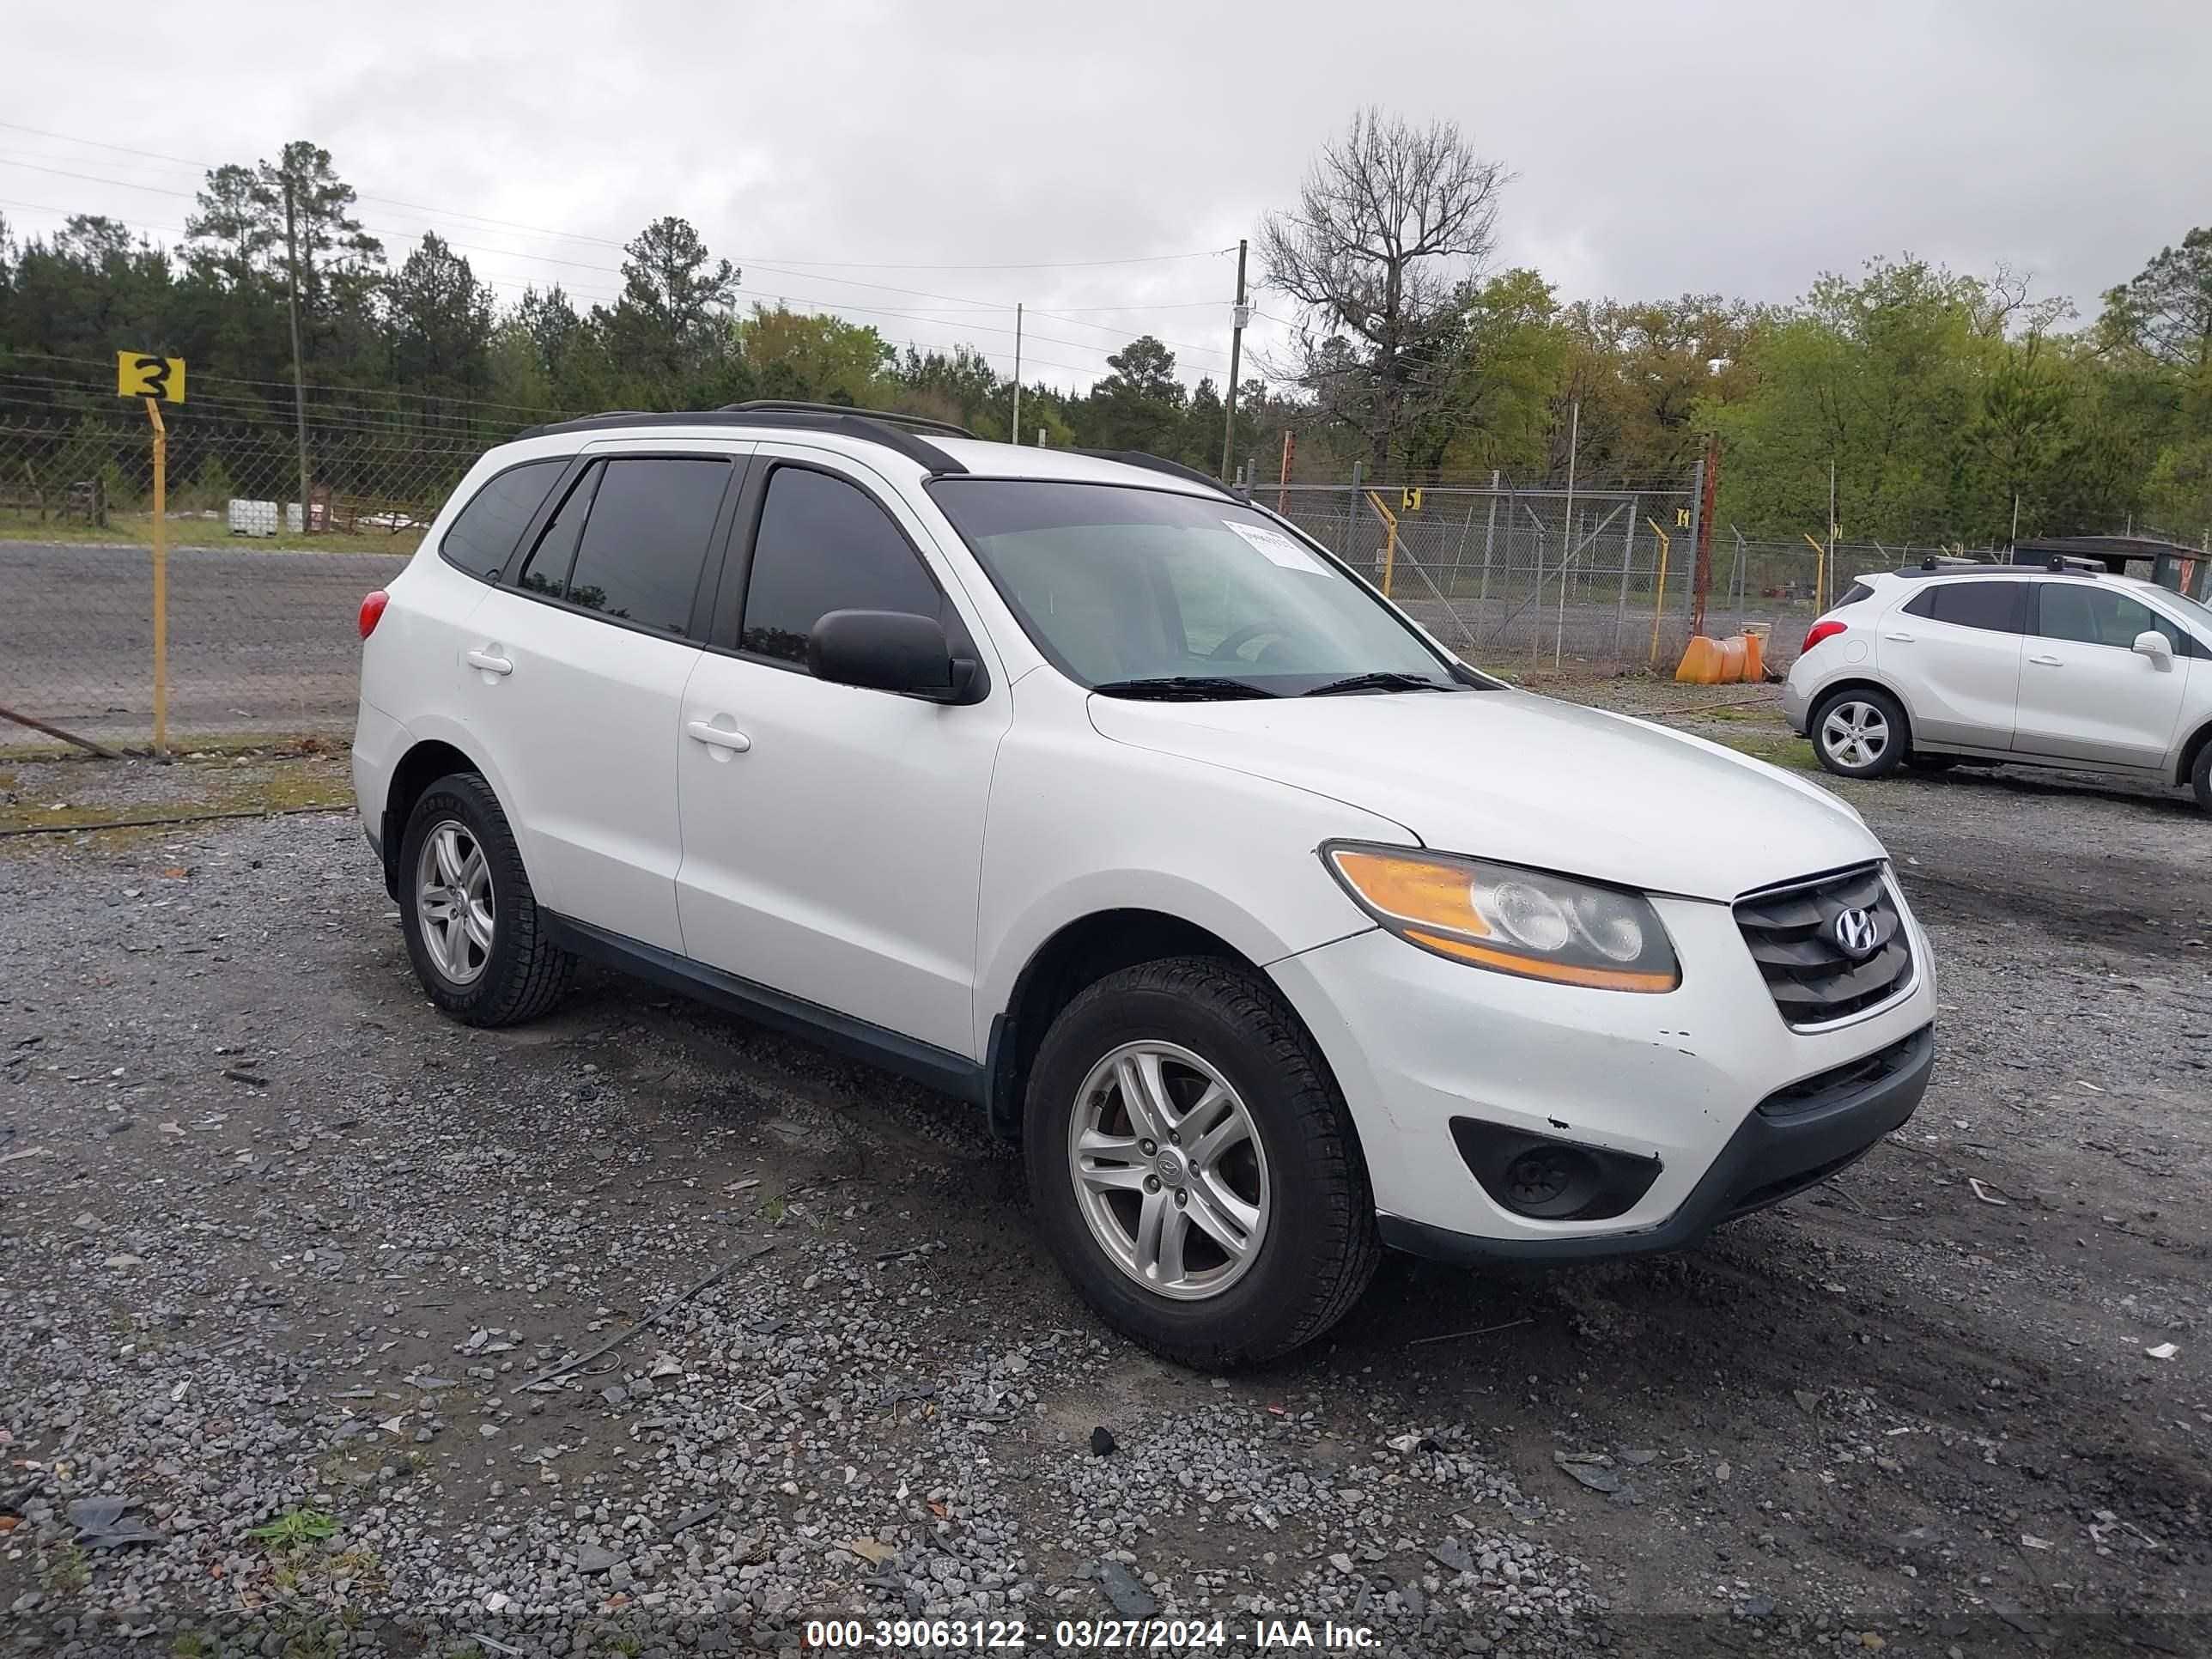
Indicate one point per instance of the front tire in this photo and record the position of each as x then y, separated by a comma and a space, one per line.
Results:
473, 928
1860, 734
2200, 777
1248, 1228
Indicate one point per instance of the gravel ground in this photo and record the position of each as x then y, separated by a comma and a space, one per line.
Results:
642, 1330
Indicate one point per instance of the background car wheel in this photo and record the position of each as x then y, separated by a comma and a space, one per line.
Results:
1194, 1170
472, 924
2200, 777
1860, 734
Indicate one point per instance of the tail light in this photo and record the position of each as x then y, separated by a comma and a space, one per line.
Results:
372, 611
1814, 636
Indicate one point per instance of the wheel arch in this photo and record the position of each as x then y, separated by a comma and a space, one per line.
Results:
426, 760
1079, 953
2186, 766
1849, 683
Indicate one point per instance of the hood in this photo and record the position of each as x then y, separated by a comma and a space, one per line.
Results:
1525, 780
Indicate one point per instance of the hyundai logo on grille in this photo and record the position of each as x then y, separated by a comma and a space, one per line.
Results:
1855, 932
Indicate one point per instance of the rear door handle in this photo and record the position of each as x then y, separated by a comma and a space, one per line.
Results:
719, 737
488, 662
2047, 662
1902, 639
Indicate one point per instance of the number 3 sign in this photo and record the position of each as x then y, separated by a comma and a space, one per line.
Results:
140, 375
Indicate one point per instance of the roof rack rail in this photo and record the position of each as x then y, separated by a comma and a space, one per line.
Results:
1933, 567
794, 406
1156, 463
852, 423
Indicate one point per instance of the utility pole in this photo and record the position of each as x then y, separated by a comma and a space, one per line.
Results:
292, 304
1015, 430
2015, 521
1237, 318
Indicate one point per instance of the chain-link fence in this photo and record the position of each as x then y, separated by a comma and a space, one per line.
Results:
261, 593
1522, 573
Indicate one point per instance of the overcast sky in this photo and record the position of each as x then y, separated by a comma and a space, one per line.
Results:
837, 151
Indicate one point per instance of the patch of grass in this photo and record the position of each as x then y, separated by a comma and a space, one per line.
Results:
67, 1569
136, 530
1790, 752
774, 1210
190, 1644
293, 1529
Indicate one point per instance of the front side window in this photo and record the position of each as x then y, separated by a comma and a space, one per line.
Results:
1125, 587
484, 533
2100, 616
823, 545
631, 538
1998, 607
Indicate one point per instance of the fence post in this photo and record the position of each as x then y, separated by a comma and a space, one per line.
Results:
1659, 598
1489, 529
161, 577
1351, 509
1627, 549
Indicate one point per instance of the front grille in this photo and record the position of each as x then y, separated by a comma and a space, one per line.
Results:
1793, 936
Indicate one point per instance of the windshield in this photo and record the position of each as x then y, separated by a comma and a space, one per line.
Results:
1142, 592
2196, 614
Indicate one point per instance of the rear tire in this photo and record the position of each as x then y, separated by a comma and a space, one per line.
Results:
1859, 733
2200, 777
1291, 1183
473, 927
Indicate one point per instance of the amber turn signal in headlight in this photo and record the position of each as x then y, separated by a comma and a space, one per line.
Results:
1509, 920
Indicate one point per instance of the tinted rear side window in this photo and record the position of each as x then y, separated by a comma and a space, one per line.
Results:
2000, 607
480, 539
645, 541
825, 545
1854, 593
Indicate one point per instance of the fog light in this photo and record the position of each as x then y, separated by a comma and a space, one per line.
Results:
1547, 1178
1550, 1182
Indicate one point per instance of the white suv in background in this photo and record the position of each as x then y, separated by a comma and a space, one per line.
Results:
2009, 663
1076, 787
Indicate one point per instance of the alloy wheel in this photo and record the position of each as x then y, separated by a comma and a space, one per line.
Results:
1854, 733
453, 900
1168, 1170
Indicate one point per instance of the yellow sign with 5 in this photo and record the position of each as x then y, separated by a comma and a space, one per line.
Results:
141, 374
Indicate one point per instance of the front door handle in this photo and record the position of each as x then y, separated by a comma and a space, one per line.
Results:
1902, 639
719, 737
2047, 662
488, 662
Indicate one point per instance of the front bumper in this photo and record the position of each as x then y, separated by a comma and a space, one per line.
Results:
1767, 1160
1417, 1042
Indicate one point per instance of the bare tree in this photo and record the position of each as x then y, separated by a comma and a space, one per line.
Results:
1392, 222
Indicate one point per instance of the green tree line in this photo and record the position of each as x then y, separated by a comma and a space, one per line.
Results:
1947, 403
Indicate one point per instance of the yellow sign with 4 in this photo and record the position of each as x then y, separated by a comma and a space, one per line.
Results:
140, 374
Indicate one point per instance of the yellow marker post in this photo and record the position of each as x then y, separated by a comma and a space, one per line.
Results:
1819, 574
142, 374
161, 577
1659, 600
1389, 540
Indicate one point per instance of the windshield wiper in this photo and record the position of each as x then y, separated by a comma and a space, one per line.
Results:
1388, 680
1191, 687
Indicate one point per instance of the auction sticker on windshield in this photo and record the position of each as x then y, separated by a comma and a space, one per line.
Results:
1278, 547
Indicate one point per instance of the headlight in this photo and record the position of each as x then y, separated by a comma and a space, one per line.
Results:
1510, 919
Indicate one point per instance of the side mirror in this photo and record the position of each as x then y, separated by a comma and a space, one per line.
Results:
2155, 645
891, 650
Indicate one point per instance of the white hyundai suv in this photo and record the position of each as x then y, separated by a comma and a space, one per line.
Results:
1078, 788
2011, 663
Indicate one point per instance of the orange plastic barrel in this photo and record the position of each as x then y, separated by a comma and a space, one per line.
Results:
1701, 662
